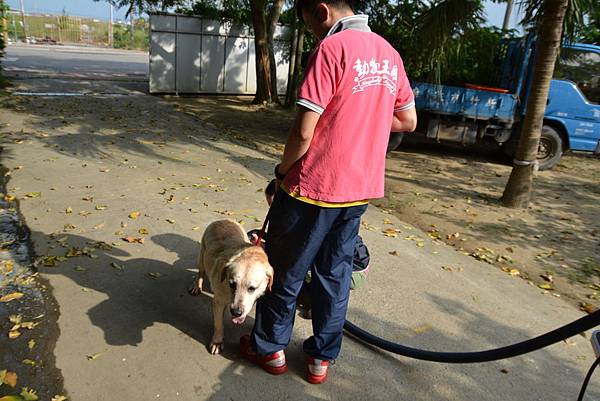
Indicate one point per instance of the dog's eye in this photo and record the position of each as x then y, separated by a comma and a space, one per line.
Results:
232, 285
251, 289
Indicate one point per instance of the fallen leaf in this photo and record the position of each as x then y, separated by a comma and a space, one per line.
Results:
59, 398
452, 236
394, 253
505, 371
154, 275
68, 210
29, 362
93, 356
11, 297
8, 378
15, 319
104, 170
547, 277
587, 307
448, 268
9, 198
133, 240
33, 195
390, 232
195, 228
117, 266
170, 221
143, 231
14, 334
68, 227
29, 394
12, 398
134, 215
98, 226
101, 207
31, 344
547, 287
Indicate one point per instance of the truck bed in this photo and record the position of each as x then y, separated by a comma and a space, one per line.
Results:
464, 102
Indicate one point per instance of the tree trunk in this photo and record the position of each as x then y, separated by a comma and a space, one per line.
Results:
517, 193
261, 45
272, 20
293, 93
292, 65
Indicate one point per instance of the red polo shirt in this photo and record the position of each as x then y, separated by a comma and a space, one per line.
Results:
355, 80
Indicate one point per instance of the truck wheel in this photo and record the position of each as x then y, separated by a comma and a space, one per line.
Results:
550, 148
394, 141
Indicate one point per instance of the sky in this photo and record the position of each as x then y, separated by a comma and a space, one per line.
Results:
100, 9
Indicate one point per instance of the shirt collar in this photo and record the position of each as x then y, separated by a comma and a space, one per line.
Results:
358, 22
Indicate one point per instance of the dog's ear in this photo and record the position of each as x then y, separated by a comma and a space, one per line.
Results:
224, 273
270, 274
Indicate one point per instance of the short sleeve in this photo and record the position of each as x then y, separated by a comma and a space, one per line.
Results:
320, 83
405, 98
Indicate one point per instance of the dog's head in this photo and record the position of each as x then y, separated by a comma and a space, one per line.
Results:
248, 275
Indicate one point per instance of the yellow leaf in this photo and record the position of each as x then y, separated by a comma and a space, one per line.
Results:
59, 398
143, 231
12, 398
14, 334
195, 228
11, 297
134, 215
154, 275
170, 221
29, 362
514, 272
34, 195
31, 344
98, 226
28, 394
546, 287
68, 210
9, 198
15, 319
390, 232
101, 207
93, 356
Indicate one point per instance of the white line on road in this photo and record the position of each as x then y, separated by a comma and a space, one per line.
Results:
57, 94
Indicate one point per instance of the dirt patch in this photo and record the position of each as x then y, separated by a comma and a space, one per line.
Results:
452, 194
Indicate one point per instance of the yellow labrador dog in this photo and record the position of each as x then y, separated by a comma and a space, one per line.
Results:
238, 271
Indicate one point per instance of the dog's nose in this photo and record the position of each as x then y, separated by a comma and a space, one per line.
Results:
235, 312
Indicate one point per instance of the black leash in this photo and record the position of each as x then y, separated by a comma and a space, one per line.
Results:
542, 341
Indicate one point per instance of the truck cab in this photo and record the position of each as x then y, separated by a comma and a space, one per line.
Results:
573, 109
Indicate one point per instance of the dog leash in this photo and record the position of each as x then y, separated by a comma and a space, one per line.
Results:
261, 233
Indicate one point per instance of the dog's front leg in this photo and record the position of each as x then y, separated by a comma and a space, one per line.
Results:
216, 345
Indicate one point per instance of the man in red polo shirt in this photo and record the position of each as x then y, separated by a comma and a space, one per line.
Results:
355, 91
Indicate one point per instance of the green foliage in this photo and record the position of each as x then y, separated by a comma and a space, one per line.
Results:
124, 38
230, 10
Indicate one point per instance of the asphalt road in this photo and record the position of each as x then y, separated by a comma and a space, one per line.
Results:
75, 61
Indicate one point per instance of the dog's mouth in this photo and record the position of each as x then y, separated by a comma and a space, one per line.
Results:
238, 320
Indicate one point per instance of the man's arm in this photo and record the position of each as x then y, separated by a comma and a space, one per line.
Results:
405, 120
299, 139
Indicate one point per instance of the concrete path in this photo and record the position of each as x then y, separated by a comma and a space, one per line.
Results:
129, 330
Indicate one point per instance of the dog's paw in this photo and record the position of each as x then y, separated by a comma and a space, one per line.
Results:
215, 348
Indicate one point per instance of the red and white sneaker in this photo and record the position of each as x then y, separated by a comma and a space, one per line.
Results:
274, 364
316, 370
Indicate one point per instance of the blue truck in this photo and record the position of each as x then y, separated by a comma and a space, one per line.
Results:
475, 113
